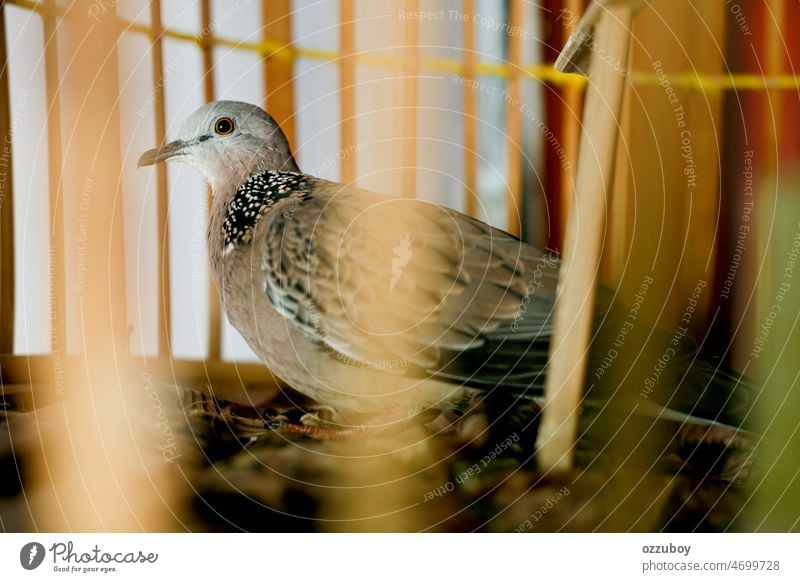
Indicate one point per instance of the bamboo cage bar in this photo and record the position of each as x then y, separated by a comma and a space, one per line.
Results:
773, 134
278, 65
570, 126
57, 281
162, 195
768, 114
94, 431
7, 278
772, 138
579, 268
471, 196
347, 89
408, 180
776, 50
699, 247
209, 93
619, 221
514, 119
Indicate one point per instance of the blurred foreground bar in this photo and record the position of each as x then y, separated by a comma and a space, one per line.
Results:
99, 468
775, 505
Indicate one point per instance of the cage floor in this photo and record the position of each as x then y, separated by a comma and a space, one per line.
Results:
246, 469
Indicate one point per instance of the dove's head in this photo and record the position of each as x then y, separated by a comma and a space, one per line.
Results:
227, 141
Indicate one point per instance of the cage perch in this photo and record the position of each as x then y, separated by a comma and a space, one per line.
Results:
606, 25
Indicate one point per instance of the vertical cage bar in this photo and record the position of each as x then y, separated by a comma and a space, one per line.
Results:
514, 117
58, 329
771, 41
470, 112
619, 225
568, 353
162, 196
774, 21
408, 180
278, 65
209, 92
570, 120
617, 242
6, 202
108, 411
700, 213
347, 88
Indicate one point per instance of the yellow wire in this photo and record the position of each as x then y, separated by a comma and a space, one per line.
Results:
546, 73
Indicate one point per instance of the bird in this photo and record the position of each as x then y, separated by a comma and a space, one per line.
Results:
379, 304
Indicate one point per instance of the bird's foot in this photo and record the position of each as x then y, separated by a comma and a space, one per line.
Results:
314, 432
313, 426
321, 416
320, 424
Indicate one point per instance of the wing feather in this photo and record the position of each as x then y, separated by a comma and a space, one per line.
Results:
403, 280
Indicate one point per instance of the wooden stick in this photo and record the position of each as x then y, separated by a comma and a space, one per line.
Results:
278, 67
347, 89
577, 54
162, 196
471, 197
94, 472
214, 310
408, 180
58, 319
514, 119
571, 132
6, 203
579, 268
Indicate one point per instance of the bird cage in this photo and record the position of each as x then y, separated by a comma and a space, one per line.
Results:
88, 252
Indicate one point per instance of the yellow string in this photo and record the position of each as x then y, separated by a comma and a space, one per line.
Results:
271, 48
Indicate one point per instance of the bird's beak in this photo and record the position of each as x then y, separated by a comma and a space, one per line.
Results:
165, 152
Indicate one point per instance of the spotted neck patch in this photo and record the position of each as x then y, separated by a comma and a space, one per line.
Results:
253, 198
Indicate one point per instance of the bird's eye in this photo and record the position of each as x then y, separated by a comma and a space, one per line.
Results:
223, 126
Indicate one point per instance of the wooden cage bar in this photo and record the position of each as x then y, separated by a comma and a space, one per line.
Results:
570, 122
162, 195
408, 180
7, 279
514, 118
568, 351
279, 65
774, 129
775, 49
209, 93
470, 75
347, 89
58, 318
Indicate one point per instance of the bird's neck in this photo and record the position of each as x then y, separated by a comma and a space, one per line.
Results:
223, 193
229, 174
226, 173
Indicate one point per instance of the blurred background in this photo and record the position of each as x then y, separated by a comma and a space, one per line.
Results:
452, 101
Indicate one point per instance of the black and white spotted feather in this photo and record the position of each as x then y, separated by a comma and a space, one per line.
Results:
253, 198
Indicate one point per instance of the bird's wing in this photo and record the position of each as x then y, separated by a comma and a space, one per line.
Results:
410, 287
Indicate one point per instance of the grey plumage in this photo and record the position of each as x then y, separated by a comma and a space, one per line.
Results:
368, 302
